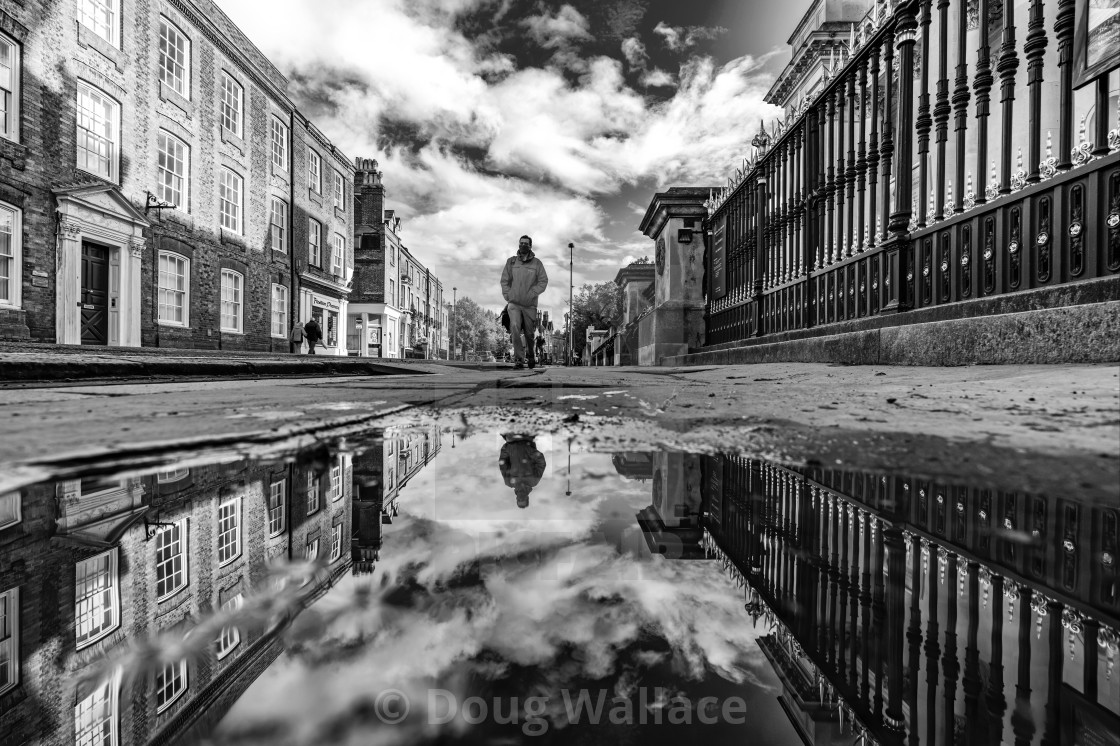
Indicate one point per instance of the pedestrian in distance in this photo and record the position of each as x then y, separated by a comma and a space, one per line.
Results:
523, 281
295, 339
540, 349
314, 334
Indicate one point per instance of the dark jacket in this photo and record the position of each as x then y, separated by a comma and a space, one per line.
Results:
522, 467
523, 281
313, 331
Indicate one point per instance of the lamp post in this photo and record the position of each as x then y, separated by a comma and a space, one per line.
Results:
571, 294
454, 302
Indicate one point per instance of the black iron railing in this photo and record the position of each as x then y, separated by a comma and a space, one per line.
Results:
861, 203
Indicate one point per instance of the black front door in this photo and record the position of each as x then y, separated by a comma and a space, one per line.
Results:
95, 295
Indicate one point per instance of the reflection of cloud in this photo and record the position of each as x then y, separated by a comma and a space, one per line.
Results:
466, 595
554, 31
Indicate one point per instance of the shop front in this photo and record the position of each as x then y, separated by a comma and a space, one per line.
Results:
329, 312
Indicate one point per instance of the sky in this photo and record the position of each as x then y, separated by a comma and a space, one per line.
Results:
496, 118
475, 597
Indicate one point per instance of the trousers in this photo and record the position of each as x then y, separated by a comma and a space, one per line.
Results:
522, 319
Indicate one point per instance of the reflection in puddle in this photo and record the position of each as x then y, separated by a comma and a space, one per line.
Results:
423, 587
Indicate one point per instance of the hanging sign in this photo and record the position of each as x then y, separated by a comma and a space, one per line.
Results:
718, 265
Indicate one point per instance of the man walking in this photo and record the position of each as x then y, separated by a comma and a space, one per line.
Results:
523, 280
313, 333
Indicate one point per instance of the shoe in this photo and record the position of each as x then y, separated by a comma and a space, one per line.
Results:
519, 366
532, 363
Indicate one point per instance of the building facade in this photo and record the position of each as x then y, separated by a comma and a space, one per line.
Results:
93, 568
397, 308
154, 182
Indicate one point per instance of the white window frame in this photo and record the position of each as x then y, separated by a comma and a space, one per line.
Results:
104, 697
279, 310
339, 191
166, 177
336, 482
109, 117
279, 135
230, 185
171, 475
9, 638
11, 504
231, 104
228, 531
96, 598
238, 303
177, 74
230, 637
336, 542
338, 252
183, 556
315, 170
88, 15
10, 89
312, 552
314, 243
278, 223
313, 490
171, 256
277, 498
178, 669
14, 259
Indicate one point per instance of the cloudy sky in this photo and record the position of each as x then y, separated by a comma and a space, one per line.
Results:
493, 118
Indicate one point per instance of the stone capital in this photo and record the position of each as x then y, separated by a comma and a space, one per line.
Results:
68, 227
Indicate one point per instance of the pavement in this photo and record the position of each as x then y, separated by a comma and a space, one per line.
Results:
1050, 429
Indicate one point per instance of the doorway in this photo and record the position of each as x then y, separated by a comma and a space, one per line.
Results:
95, 294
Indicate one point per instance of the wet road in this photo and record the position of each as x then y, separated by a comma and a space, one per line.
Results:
461, 584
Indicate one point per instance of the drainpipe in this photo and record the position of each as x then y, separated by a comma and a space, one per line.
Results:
293, 301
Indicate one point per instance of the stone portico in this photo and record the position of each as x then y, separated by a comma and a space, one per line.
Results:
97, 284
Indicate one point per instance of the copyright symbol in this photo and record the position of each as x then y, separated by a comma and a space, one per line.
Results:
391, 706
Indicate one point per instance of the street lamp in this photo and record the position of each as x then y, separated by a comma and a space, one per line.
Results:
571, 294
454, 303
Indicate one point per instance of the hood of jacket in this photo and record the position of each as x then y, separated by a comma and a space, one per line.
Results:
529, 258
523, 280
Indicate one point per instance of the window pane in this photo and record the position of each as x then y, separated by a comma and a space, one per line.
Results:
96, 131
100, 16
95, 597
231, 105
229, 530
231, 301
8, 80
171, 571
173, 57
95, 717
172, 288
276, 507
172, 169
279, 144
7, 254
279, 311
230, 198
278, 221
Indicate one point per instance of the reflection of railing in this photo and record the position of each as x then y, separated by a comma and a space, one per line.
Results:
839, 217
864, 578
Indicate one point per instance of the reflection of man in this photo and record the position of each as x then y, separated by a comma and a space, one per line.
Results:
522, 466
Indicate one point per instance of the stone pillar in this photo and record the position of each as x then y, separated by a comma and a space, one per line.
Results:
674, 220
363, 342
130, 292
68, 283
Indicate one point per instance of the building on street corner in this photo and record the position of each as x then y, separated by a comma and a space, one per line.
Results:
158, 186
397, 307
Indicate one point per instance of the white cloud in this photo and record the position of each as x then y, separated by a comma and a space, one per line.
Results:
635, 53
547, 144
554, 31
680, 38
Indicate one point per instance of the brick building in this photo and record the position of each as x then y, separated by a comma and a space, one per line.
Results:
155, 183
396, 303
92, 567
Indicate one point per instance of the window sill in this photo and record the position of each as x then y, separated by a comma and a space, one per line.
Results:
99, 638
280, 173
234, 558
172, 325
315, 197
171, 96
222, 655
232, 331
340, 212
87, 37
233, 239
235, 140
163, 708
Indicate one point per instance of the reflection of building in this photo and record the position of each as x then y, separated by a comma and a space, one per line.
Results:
155, 181
380, 473
634, 465
90, 567
671, 525
397, 303
910, 606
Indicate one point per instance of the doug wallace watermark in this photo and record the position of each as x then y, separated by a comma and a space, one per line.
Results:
647, 706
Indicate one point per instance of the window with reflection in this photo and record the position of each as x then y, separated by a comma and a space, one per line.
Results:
171, 559
96, 597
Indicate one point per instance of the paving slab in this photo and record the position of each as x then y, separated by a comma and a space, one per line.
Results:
1042, 428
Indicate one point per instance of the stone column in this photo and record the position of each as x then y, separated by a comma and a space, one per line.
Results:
363, 343
68, 283
130, 292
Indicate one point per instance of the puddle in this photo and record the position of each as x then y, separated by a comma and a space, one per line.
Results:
416, 586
